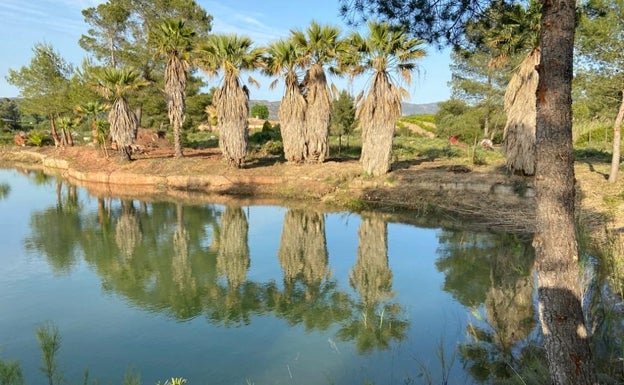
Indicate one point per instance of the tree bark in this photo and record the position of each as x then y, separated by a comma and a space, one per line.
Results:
57, 140
615, 159
566, 338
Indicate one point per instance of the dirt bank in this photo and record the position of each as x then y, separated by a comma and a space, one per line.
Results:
483, 195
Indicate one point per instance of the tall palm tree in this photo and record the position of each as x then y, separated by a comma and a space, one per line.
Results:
321, 45
517, 32
173, 41
231, 54
92, 111
384, 51
116, 85
285, 59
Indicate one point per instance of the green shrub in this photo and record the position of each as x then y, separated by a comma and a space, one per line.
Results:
267, 133
38, 138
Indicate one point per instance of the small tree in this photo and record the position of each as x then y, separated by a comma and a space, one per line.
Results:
343, 120
92, 111
43, 84
116, 85
260, 111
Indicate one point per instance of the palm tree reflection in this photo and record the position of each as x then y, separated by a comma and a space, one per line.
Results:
233, 256
376, 320
128, 232
309, 296
497, 342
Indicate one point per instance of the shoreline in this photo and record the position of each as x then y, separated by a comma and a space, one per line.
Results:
484, 198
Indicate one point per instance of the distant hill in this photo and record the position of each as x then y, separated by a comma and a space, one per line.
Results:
420, 109
408, 108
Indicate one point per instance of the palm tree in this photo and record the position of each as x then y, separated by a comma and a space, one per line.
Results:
174, 41
231, 54
285, 58
116, 85
516, 32
67, 125
385, 50
321, 44
92, 111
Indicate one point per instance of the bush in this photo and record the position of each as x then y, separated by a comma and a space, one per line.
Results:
267, 133
38, 138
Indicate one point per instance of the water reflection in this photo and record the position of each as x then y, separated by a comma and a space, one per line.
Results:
192, 262
233, 256
377, 320
56, 230
303, 251
497, 276
5, 189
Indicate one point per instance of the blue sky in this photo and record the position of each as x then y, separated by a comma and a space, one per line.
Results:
60, 23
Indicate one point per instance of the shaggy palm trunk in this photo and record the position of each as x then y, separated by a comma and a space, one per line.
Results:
318, 115
566, 339
615, 158
519, 134
371, 275
123, 125
292, 121
303, 248
233, 257
175, 88
377, 115
232, 106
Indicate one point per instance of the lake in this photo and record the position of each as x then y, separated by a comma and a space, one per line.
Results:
254, 294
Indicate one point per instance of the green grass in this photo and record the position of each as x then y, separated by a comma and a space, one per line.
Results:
201, 139
419, 119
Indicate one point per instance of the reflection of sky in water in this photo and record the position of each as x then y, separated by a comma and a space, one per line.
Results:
107, 333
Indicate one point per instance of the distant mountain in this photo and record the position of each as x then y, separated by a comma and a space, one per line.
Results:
420, 109
408, 108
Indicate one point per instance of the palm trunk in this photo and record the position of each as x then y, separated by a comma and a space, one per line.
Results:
566, 338
292, 121
318, 115
615, 159
232, 110
378, 115
175, 86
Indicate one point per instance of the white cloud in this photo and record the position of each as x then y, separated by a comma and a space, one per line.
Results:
232, 20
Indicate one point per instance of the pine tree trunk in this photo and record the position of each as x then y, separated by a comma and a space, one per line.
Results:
615, 159
566, 338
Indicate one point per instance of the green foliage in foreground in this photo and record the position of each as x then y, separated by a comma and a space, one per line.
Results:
49, 343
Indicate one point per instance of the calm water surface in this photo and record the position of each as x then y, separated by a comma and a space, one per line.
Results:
242, 294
